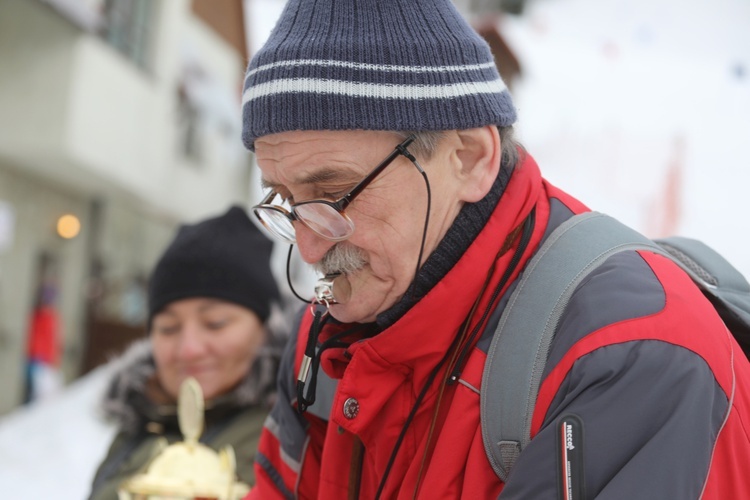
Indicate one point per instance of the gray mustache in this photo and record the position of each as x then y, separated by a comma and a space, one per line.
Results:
341, 258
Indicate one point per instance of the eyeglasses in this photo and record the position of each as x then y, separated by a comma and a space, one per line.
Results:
325, 218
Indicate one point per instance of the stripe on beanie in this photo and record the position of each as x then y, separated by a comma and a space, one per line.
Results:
371, 90
368, 66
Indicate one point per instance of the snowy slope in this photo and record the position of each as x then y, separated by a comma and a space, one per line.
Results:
50, 450
642, 109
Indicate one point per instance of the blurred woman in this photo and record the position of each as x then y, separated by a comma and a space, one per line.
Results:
211, 297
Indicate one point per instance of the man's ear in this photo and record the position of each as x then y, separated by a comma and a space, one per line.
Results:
479, 156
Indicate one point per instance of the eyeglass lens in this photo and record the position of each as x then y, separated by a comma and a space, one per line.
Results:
319, 217
277, 223
325, 220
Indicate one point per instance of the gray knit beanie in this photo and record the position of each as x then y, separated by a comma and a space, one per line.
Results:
372, 65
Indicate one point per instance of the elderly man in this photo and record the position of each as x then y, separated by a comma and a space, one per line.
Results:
384, 136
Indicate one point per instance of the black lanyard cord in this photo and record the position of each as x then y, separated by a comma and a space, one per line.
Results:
289, 276
312, 357
528, 228
412, 413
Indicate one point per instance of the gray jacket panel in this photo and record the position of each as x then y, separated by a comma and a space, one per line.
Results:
624, 287
676, 395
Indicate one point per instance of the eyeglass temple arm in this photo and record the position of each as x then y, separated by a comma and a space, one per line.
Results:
267, 199
398, 150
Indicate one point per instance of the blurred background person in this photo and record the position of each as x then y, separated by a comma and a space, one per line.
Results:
210, 299
43, 377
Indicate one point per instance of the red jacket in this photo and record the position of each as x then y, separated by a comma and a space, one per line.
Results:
639, 356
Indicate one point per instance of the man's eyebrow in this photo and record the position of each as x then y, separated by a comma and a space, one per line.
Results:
320, 176
265, 184
325, 175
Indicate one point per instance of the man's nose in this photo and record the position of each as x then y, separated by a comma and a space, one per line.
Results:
312, 247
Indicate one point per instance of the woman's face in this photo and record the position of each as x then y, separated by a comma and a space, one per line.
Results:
211, 340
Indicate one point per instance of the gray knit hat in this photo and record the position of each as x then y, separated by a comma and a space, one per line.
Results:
372, 65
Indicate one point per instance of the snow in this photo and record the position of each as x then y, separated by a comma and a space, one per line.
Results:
614, 94
51, 449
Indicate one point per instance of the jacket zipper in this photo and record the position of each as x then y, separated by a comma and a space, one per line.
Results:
355, 468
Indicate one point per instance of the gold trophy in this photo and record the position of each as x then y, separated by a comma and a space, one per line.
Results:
186, 470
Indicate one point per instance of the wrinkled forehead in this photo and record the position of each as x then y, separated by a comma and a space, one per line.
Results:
304, 157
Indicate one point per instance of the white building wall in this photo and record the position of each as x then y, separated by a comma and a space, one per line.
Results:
34, 233
80, 122
75, 100
122, 119
33, 82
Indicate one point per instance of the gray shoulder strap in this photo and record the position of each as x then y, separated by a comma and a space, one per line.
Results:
712, 273
519, 348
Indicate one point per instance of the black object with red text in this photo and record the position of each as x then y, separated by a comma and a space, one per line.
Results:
570, 478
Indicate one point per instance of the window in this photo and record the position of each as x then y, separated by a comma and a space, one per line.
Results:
189, 126
127, 27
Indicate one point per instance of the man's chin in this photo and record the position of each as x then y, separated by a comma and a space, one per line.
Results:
350, 313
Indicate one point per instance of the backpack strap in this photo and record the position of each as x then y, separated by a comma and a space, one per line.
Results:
721, 283
519, 349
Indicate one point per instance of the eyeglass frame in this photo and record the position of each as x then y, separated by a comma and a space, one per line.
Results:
339, 205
